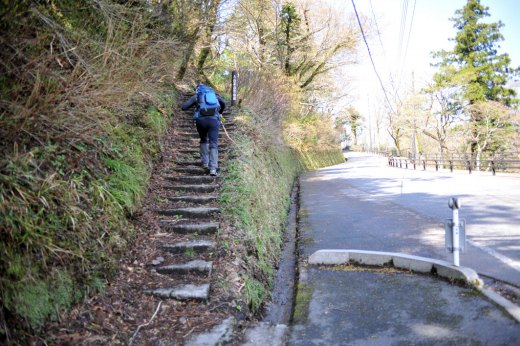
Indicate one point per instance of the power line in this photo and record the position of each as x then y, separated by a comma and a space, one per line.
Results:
370, 55
402, 28
409, 33
377, 27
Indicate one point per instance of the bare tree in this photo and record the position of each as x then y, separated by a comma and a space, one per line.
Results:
493, 128
444, 111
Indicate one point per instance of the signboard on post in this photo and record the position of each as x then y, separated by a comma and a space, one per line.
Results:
234, 88
448, 226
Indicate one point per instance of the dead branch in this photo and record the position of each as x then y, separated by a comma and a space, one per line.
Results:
144, 324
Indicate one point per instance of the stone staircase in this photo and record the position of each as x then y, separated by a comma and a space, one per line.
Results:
189, 218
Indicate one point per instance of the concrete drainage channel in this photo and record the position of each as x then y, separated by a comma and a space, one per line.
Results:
274, 329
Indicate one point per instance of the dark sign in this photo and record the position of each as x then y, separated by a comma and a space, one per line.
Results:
234, 88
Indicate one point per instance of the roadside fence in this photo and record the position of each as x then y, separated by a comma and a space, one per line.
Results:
505, 162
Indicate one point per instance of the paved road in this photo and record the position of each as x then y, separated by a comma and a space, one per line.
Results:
372, 308
391, 209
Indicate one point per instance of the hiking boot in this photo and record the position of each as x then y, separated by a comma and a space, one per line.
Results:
213, 172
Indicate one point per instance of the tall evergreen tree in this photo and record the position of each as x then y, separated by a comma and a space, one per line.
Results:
474, 66
289, 31
474, 61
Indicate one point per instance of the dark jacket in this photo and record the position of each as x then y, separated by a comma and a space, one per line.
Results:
192, 101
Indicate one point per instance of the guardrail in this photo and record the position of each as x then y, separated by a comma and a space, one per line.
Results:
506, 163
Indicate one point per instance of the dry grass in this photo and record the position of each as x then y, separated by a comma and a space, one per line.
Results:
86, 90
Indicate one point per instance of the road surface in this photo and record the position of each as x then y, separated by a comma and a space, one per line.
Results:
365, 204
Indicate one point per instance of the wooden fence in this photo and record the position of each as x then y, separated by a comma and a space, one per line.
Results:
505, 162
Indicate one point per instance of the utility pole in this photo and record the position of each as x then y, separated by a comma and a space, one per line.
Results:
414, 144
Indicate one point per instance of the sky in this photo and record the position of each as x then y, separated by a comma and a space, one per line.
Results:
430, 31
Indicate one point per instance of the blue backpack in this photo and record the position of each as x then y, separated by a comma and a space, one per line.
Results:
207, 101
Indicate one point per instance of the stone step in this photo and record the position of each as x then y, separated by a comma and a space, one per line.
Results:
202, 228
193, 188
195, 139
193, 199
194, 149
188, 115
187, 141
191, 134
196, 212
191, 179
189, 150
190, 111
182, 292
229, 123
188, 163
182, 133
189, 126
188, 169
196, 267
188, 156
195, 155
196, 246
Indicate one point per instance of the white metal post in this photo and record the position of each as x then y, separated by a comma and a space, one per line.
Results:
454, 205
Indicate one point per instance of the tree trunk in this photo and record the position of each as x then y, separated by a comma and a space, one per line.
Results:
287, 64
208, 32
192, 40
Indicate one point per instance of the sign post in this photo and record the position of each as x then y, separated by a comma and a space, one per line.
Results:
455, 232
234, 88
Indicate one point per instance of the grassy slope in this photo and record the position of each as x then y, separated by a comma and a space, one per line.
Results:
256, 196
85, 87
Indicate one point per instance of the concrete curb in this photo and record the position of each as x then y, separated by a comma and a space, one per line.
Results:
415, 264
398, 260
511, 308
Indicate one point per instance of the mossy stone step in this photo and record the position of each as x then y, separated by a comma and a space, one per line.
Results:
193, 188
196, 212
192, 179
196, 267
182, 292
202, 228
193, 199
197, 246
